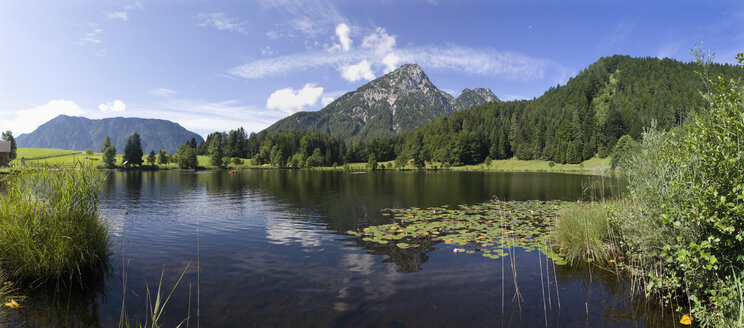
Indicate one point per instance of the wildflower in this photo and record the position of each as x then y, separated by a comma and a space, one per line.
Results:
686, 320
12, 304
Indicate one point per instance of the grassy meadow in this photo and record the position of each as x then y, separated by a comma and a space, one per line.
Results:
61, 157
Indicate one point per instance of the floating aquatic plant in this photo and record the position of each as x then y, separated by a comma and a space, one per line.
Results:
488, 228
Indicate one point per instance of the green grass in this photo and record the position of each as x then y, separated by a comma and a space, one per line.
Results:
50, 229
583, 231
594, 165
60, 157
71, 158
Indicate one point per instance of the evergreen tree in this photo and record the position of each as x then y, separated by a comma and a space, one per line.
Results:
372, 162
216, 151
133, 150
151, 158
109, 153
162, 157
8, 136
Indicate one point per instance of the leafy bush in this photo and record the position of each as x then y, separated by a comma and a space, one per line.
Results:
186, 156
684, 226
624, 149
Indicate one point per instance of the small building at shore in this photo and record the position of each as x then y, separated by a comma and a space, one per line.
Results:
4, 153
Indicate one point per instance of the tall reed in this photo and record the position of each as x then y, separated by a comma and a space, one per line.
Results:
50, 228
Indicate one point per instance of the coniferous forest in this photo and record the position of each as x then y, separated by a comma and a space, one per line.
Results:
613, 97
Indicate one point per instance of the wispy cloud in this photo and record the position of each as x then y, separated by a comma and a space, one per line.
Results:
488, 62
310, 17
135, 5
669, 50
119, 15
221, 22
162, 92
93, 36
621, 31
222, 115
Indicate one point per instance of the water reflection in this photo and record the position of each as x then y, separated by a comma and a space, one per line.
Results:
272, 252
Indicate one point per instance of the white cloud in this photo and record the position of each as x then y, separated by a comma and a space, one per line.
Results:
119, 15
221, 22
92, 37
390, 61
353, 73
379, 42
326, 100
162, 92
342, 31
27, 120
291, 101
113, 106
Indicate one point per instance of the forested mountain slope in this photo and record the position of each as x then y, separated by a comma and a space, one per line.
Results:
612, 97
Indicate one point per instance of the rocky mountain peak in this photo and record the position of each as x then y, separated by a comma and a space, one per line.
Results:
477, 96
397, 102
487, 94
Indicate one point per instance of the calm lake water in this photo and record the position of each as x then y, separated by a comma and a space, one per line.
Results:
267, 248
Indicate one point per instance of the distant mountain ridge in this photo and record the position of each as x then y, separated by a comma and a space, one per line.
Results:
397, 102
79, 133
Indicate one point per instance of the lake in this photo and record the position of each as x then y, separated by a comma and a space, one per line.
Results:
268, 248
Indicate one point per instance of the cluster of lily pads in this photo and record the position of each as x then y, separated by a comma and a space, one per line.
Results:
490, 228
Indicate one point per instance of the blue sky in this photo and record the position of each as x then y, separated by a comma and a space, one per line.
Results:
218, 65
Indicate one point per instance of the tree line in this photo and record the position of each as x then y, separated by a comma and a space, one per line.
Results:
614, 97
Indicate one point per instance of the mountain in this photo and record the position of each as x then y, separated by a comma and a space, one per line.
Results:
397, 102
79, 133
613, 97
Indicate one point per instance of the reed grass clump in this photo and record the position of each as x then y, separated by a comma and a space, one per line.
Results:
50, 228
583, 232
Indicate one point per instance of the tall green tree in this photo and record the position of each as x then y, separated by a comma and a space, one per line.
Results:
109, 153
217, 151
133, 150
8, 136
151, 158
186, 156
162, 157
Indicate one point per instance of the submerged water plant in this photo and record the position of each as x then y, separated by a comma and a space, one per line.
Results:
488, 228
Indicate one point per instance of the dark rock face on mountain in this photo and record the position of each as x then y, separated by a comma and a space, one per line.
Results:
79, 133
397, 102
